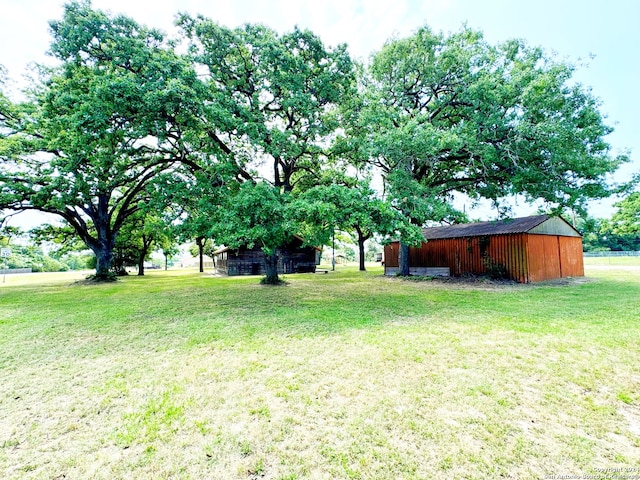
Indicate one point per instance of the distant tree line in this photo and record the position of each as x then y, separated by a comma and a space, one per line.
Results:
621, 232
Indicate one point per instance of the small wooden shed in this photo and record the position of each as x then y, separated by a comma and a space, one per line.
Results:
292, 258
527, 249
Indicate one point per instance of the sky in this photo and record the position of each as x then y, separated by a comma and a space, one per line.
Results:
603, 38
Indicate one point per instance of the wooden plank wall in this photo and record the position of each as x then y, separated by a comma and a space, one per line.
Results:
251, 262
391, 252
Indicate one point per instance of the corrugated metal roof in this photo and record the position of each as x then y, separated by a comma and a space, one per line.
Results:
498, 227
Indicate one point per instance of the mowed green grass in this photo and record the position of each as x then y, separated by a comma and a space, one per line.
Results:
619, 261
344, 375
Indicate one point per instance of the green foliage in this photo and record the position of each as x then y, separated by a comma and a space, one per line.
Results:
256, 214
99, 128
64, 247
352, 208
127, 125
207, 247
78, 261
141, 233
626, 220
31, 256
616, 233
442, 114
8, 233
455, 114
275, 96
273, 281
103, 277
373, 249
271, 99
63, 236
494, 270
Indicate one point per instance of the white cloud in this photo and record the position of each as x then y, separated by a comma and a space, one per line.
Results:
24, 33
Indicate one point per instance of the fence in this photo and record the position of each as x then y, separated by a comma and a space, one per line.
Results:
14, 270
612, 254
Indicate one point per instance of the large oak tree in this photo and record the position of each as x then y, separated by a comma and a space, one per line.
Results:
452, 113
115, 114
272, 108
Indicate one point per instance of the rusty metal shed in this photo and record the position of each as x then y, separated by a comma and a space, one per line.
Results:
527, 249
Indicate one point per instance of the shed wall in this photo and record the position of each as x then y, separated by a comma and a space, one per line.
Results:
251, 262
571, 257
526, 258
468, 255
391, 255
477, 255
544, 258
553, 256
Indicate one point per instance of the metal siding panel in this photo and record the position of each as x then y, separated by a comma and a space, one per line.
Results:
578, 255
506, 256
511, 255
536, 254
544, 260
527, 271
473, 258
527, 258
452, 254
442, 254
522, 258
511, 262
498, 250
555, 226
418, 255
571, 257
503, 254
552, 257
391, 254
507, 250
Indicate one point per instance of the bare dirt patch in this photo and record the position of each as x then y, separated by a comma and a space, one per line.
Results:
484, 282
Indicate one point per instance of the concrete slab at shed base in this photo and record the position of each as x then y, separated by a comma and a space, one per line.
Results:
421, 271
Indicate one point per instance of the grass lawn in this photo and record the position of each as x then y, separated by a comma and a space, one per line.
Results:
345, 375
618, 261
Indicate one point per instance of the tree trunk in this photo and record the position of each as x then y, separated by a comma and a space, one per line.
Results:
104, 257
403, 260
146, 246
200, 244
141, 264
105, 242
271, 269
361, 240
